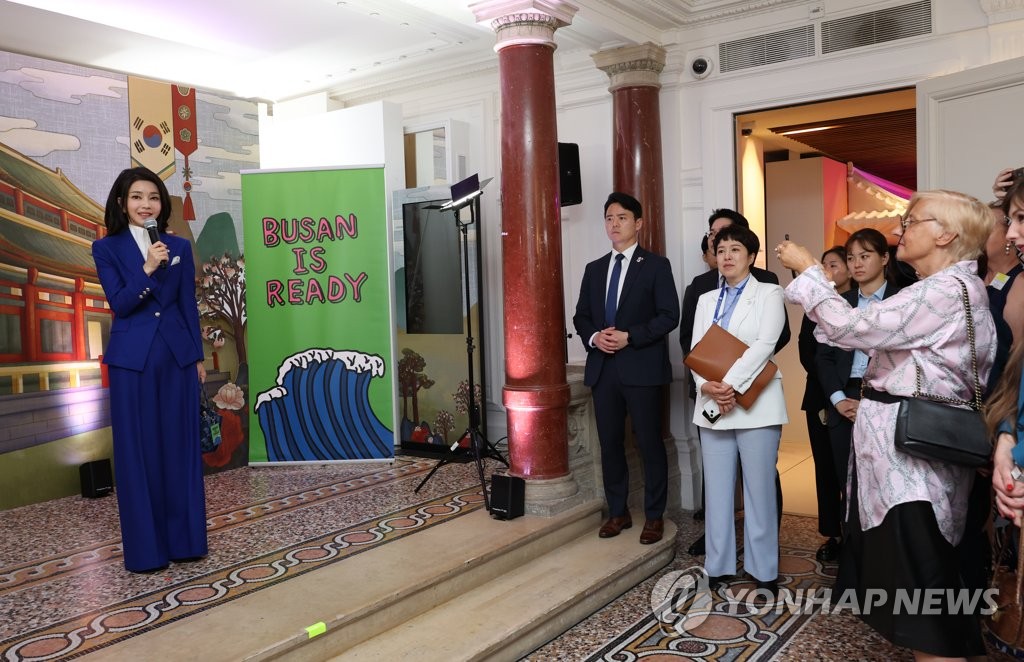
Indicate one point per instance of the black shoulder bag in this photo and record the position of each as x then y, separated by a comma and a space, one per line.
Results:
929, 428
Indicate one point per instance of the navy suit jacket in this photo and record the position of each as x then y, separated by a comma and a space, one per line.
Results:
144, 306
648, 310
834, 364
807, 344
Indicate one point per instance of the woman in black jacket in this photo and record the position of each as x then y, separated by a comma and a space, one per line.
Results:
815, 406
839, 370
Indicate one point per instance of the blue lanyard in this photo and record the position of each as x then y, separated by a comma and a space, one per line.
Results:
732, 302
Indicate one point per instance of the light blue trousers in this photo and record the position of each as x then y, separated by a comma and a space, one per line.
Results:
758, 452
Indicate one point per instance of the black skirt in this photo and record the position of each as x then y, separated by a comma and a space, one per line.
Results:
908, 552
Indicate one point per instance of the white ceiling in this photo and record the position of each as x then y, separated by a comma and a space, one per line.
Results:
280, 49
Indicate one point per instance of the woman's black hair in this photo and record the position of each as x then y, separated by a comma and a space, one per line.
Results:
741, 234
874, 241
840, 251
869, 238
115, 217
1016, 190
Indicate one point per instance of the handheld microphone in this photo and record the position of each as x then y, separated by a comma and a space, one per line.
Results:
154, 236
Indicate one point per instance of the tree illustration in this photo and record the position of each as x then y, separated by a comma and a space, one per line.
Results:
444, 424
220, 292
461, 396
411, 379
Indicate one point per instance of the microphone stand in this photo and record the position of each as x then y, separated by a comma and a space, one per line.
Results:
481, 447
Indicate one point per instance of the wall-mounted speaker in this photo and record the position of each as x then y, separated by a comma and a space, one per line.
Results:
508, 496
97, 478
570, 188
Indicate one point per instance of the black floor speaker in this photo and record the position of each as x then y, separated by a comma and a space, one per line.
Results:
97, 479
508, 496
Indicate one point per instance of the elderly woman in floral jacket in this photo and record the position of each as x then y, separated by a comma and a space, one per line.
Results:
907, 514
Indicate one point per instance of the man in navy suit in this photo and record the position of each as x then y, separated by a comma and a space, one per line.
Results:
627, 306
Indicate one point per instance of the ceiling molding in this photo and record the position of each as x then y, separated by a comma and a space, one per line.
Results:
405, 80
734, 10
619, 17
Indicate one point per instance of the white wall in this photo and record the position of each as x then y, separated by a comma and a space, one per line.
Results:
697, 133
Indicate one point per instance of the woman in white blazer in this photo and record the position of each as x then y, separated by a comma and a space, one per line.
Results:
755, 313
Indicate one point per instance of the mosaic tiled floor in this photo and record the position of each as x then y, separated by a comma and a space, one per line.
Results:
64, 592
627, 630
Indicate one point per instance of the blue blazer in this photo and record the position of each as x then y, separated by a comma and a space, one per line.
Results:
144, 306
648, 310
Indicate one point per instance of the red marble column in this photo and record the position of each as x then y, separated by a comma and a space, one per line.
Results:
536, 394
634, 73
636, 118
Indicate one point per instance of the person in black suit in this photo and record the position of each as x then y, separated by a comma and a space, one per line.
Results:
627, 307
706, 282
815, 407
840, 371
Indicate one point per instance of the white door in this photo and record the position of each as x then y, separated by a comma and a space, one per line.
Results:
970, 125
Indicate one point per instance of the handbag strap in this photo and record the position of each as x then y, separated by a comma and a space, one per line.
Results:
1018, 582
976, 404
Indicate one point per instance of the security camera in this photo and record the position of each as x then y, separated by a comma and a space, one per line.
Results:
700, 67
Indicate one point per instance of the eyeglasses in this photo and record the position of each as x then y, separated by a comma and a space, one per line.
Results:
907, 222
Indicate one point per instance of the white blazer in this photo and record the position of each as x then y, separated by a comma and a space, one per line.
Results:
757, 320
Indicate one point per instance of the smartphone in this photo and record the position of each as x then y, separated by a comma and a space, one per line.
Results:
792, 271
711, 412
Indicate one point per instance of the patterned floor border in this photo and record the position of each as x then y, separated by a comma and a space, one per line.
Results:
109, 551
100, 628
732, 627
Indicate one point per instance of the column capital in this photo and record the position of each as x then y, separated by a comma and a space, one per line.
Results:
524, 21
630, 66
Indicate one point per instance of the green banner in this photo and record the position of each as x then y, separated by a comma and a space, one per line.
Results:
318, 296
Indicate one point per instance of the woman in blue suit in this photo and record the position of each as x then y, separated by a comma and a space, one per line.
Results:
154, 357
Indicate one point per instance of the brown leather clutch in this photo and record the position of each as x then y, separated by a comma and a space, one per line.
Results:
716, 352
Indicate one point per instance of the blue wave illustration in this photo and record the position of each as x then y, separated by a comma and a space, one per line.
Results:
320, 409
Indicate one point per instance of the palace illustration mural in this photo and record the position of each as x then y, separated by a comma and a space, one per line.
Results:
65, 133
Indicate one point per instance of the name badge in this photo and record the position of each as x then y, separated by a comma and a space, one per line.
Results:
999, 282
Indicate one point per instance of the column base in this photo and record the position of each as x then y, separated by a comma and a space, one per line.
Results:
547, 497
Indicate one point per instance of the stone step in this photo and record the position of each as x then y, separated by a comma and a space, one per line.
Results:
522, 609
367, 594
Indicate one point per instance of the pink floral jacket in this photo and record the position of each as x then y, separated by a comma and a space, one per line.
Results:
922, 326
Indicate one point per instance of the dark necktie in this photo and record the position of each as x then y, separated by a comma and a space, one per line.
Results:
613, 292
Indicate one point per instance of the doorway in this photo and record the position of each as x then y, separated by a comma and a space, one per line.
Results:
795, 169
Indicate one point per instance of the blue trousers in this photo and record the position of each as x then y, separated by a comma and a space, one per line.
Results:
157, 462
758, 452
